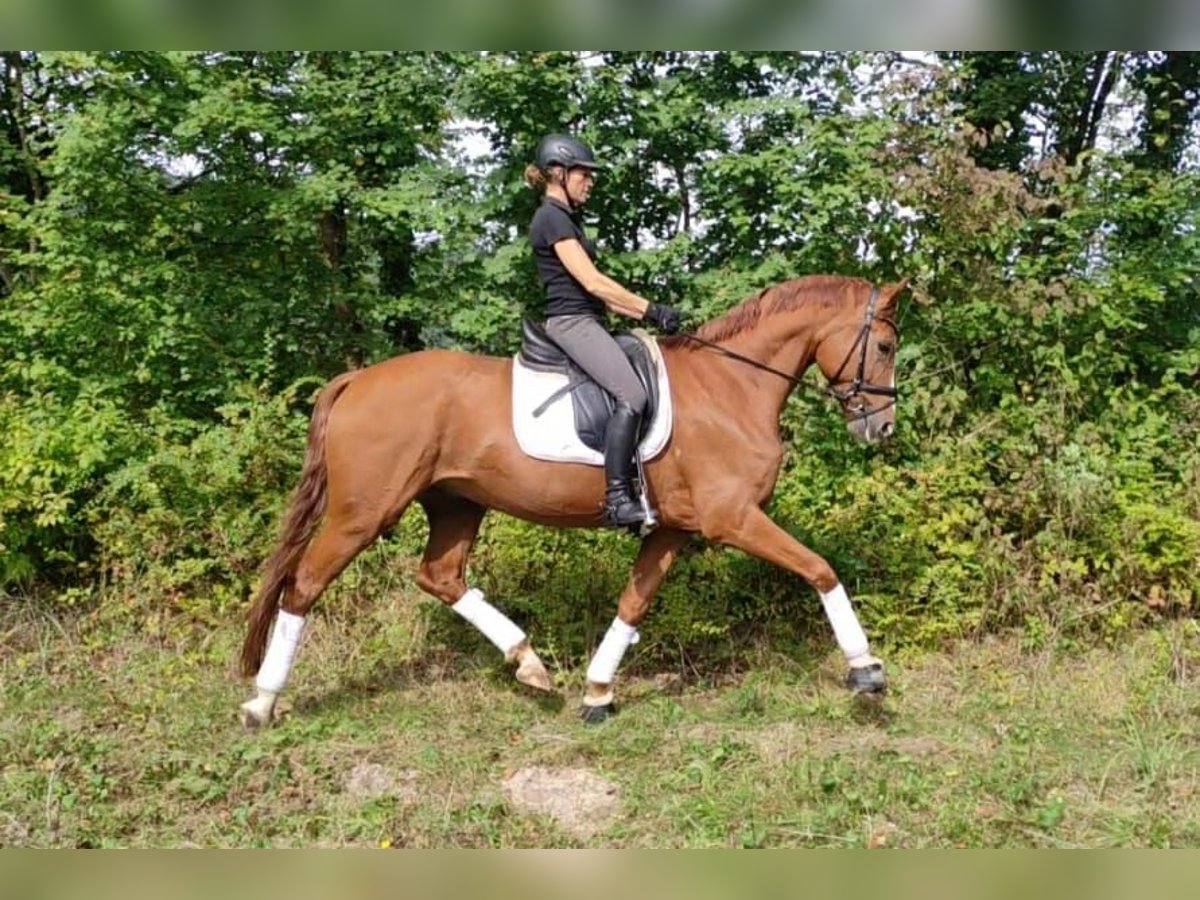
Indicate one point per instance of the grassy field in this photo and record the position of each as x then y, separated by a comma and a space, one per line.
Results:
403, 733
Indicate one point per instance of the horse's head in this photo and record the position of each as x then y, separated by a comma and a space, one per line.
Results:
858, 357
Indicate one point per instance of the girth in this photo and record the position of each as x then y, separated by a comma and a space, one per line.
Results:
592, 404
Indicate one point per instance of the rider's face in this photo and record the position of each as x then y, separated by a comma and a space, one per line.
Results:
579, 185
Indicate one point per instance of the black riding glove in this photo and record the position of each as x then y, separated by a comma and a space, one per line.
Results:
666, 318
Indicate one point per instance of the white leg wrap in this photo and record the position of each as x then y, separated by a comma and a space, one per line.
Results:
850, 636
603, 668
273, 673
495, 625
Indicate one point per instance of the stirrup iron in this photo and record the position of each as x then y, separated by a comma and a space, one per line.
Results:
650, 517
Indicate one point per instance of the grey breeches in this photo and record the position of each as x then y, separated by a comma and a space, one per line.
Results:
587, 342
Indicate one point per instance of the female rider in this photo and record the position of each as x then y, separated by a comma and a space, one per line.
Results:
577, 294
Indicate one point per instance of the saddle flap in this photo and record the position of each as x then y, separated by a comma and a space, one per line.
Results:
544, 370
592, 404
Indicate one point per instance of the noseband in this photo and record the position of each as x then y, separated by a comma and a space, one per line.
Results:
856, 387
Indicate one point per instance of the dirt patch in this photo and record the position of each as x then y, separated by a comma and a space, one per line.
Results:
580, 802
369, 781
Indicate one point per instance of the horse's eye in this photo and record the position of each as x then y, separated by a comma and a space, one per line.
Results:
885, 347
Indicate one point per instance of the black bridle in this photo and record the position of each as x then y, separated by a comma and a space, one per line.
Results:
855, 388
860, 385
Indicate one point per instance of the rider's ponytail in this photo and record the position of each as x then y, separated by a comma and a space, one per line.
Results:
535, 177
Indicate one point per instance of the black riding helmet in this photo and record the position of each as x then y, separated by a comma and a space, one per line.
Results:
566, 151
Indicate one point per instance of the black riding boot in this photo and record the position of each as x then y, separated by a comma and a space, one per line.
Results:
620, 438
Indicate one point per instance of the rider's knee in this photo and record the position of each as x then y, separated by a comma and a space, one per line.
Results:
635, 400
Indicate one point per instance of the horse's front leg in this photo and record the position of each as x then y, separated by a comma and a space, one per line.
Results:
658, 551
755, 533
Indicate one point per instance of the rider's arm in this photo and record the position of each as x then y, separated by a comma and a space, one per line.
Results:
596, 283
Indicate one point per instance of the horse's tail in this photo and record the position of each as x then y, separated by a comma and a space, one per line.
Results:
304, 514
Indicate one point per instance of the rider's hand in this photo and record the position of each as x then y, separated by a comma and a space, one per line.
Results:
666, 318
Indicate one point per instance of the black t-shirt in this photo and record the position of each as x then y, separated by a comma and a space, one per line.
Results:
552, 223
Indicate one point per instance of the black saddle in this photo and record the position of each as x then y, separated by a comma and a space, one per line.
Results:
592, 404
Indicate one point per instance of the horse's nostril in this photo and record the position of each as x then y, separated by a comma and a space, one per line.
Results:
886, 429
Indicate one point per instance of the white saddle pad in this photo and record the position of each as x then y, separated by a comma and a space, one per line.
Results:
551, 436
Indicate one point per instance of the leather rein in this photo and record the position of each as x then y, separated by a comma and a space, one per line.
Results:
856, 387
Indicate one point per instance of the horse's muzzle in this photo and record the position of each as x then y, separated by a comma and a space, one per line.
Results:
870, 430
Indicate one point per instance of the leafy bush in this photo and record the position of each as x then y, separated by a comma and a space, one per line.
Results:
53, 457
192, 521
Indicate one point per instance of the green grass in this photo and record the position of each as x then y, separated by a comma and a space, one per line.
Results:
401, 728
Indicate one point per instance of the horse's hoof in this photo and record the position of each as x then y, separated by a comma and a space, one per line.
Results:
594, 715
252, 722
867, 679
531, 672
256, 715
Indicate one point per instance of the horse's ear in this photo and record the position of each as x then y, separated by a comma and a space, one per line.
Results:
890, 293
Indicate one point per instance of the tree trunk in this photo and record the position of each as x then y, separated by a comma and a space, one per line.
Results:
1080, 125
26, 181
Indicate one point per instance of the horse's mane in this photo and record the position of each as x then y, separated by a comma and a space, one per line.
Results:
828, 290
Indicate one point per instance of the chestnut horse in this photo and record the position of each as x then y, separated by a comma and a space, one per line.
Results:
435, 427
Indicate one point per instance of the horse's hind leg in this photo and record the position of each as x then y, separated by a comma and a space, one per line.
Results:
453, 524
340, 540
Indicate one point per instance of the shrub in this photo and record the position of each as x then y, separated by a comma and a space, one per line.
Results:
192, 521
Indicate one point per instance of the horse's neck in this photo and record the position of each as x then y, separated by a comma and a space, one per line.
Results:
786, 342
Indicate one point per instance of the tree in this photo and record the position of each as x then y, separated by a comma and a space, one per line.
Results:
1170, 84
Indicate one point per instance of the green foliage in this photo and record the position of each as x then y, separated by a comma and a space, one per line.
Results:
53, 455
193, 518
